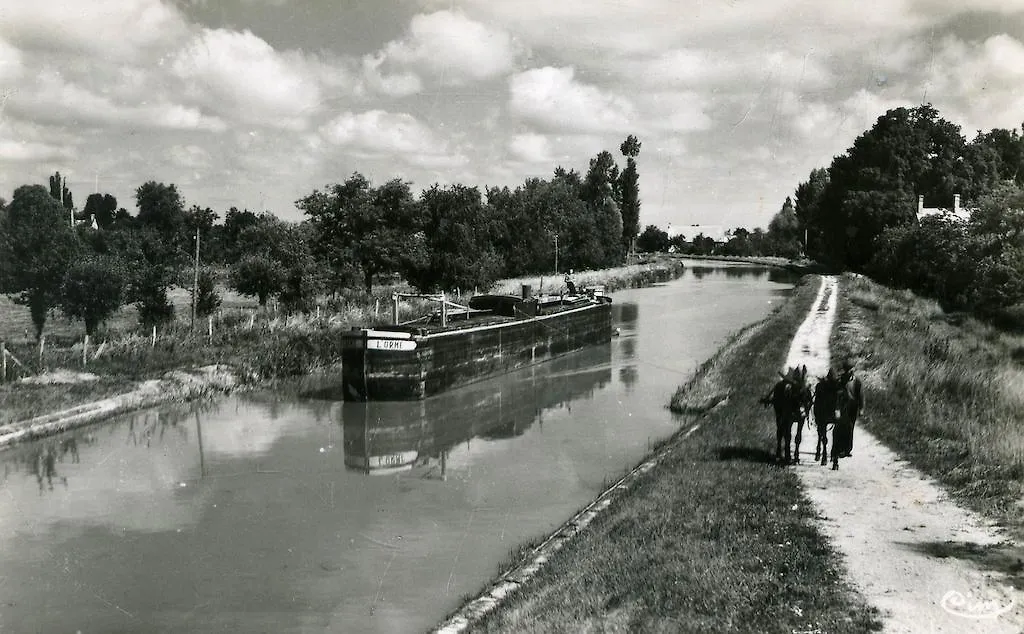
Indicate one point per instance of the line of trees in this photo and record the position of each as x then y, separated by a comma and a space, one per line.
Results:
90, 262
860, 213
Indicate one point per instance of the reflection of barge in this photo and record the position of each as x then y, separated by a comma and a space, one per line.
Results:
387, 437
493, 334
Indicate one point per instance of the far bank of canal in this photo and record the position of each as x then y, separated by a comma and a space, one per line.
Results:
281, 513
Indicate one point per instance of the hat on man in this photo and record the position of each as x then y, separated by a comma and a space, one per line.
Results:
847, 365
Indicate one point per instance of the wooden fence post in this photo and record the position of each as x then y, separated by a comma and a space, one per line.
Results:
153, 344
210, 328
42, 347
3, 364
376, 308
394, 298
85, 351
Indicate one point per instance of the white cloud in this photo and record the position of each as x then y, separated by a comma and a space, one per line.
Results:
395, 84
54, 100
189, 156
11, 65
531, 147
119, 29
452, 47
552, 97
242, 77
31, 151
378, 133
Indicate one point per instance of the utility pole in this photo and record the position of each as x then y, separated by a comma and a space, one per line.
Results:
195, 283
556, 254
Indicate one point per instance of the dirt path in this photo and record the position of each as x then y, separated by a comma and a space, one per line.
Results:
885, 518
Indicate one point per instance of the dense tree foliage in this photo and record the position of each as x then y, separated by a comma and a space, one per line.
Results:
257, 276
861, 213
653, 240
93, 290
37, 247
629, 186
354, 234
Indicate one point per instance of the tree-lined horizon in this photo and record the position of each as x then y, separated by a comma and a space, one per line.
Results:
354, 234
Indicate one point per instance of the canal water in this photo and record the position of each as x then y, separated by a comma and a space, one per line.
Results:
293, 512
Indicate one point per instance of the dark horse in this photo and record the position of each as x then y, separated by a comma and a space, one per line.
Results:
826, 400
791, 400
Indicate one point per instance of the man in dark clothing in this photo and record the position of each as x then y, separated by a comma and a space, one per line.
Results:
851, 402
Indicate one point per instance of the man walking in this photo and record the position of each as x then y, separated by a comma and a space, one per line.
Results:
851, 402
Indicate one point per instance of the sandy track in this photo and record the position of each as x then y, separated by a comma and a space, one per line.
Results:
884, 517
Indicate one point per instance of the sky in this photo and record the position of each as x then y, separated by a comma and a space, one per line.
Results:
257, 103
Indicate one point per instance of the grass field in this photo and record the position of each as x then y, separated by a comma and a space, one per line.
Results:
945, 391
715, 538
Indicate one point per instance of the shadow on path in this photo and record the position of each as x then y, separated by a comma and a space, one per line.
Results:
746, 453
1008, 560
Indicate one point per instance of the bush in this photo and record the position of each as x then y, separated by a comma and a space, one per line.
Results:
93, 290
257, 276
208, 299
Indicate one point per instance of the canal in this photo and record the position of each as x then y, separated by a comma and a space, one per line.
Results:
290, 511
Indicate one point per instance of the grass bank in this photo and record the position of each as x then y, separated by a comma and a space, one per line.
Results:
260, 345
946, 391
713, 538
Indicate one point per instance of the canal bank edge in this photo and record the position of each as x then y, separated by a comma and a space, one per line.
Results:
497, 607
513, 579
177, 385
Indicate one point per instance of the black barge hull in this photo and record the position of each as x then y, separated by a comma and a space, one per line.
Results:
403, 364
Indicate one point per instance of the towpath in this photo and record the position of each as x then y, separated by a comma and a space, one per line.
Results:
890, 522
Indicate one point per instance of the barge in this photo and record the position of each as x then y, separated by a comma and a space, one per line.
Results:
458, 345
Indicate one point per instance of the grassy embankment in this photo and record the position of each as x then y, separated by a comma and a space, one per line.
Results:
257, 344
946, 391
714, 538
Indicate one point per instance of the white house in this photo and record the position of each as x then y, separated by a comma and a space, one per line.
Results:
956, 213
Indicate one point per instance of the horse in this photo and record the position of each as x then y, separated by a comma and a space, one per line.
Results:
791, 401
826, 400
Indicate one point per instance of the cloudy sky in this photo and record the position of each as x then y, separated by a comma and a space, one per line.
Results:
255, 103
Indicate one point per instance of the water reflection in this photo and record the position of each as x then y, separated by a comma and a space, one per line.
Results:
386, 437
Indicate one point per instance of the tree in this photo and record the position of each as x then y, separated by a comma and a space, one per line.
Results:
739, 243
630, 188
207, 298
257, 276
653, 240
599, 189
93, 290
38, 247
875, 184
784, 237
149, 291
60, 192
162, 208
807, 206
1007, 147
230, 246
455, 241
372, 226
